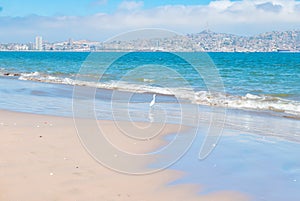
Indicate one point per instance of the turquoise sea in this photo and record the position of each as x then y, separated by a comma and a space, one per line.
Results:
266, 81
258, 151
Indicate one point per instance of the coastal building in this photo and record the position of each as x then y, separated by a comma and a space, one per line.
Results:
31, 46
38, 43
70, 42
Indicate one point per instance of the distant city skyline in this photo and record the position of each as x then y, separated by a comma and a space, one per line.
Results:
100, 19
205, 41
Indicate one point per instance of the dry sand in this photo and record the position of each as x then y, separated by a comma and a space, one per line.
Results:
41, 159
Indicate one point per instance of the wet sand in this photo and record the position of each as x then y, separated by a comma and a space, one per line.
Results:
41, 158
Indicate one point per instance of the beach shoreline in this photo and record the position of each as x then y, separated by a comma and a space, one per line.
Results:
42, 159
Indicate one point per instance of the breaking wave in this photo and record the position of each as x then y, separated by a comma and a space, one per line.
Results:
248, 101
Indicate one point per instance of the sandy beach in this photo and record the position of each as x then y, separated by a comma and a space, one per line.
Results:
41, 158
135, 100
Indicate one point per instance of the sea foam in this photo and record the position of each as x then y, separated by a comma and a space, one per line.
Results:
218, 99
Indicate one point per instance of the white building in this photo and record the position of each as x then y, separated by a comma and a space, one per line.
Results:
39, 43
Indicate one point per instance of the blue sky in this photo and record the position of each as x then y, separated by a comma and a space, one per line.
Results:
77, 7
58, 20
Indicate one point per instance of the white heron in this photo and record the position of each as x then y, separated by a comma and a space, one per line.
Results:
153, 101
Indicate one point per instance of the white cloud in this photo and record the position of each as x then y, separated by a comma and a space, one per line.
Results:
241, 17
131, 5
269, 6
220, 5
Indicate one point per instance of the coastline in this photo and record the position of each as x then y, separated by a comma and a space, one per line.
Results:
42, 159
260, 139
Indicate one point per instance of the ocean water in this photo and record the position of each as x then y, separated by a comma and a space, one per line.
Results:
260, 93
255, 81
